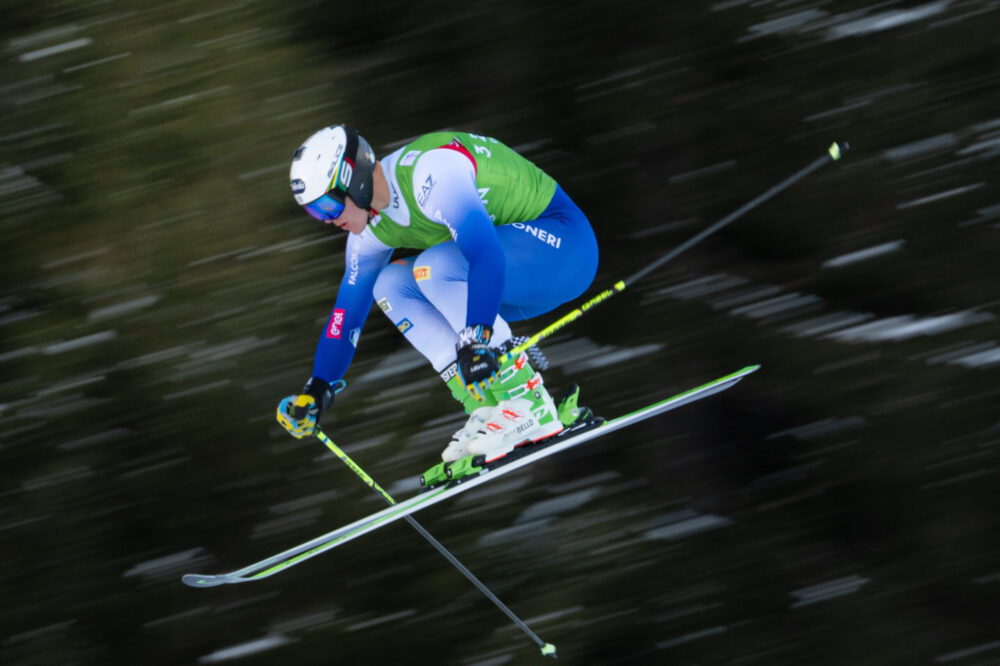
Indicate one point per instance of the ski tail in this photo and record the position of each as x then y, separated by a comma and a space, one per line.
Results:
204, 580
298, 554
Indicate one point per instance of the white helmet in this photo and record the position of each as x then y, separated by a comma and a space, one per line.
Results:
334, 163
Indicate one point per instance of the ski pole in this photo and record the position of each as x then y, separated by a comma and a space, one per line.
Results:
548, 649
833, 154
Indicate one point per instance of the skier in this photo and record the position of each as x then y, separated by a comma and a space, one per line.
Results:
500, 241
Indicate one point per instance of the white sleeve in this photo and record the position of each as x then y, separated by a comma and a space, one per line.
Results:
366, 244
444, 186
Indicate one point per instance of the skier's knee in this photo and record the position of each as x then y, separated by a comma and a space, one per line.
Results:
436, 263
392, 282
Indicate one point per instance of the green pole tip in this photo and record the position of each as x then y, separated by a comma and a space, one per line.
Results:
549, 650
835, 151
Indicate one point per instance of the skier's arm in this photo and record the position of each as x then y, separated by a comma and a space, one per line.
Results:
365, 256
453, 201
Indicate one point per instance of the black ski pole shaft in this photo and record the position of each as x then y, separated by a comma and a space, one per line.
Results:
832, 154
548, 649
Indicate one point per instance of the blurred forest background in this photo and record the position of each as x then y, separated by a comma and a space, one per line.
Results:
161, 292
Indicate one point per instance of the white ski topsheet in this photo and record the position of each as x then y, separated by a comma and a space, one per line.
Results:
302, 552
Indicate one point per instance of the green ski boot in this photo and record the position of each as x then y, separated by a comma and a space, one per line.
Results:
461, 394
477, 411
525, 411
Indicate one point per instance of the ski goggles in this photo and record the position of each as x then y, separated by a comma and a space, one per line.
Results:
325, 208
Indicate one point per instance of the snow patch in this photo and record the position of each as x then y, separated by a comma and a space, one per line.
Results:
886, 20
828, 590
246, 649
979, 359
168, 564
861, 255
124, 308
567, 502
52, 50
686, 528
908, 326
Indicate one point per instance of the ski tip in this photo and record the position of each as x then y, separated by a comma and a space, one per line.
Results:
199, 580
743, 372
549, 650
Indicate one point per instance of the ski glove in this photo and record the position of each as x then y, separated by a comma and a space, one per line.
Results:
298, 413
477, 363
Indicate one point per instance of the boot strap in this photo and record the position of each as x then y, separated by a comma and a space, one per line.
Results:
526, 387
512, 369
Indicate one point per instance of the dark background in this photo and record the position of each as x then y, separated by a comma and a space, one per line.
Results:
161, 292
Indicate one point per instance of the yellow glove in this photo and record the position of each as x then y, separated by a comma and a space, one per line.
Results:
297, 414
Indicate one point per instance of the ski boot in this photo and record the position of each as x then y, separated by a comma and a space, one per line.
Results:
525, 412
477, 411
574, 418
458, 447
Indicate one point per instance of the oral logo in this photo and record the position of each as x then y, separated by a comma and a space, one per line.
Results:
421, 273
336, 326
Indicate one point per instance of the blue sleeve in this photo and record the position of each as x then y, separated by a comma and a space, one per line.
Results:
455, 202
477, 238
339, 339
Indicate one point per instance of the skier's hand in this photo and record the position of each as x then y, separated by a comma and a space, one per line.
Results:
298, 413
477, 363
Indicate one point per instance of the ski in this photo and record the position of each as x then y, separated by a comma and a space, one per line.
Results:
469, 476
